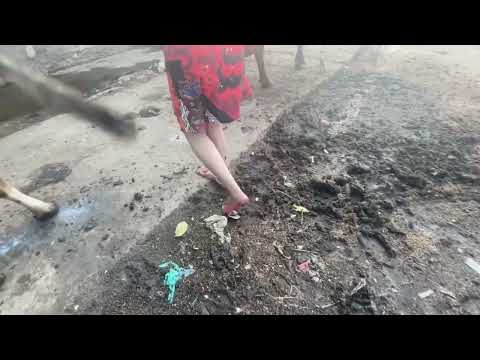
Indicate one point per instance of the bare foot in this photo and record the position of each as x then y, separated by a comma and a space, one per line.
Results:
232, 204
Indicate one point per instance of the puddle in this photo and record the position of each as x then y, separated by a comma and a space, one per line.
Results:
72, 215
5, 248
72, 221
36, 233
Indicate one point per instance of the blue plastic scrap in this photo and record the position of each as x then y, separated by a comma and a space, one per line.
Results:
174, 275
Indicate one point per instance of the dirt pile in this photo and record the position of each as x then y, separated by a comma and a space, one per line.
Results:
363, 247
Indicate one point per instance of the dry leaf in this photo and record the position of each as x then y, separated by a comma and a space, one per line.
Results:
300, 209
181, 229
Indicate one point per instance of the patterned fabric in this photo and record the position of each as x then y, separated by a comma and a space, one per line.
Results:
207, 83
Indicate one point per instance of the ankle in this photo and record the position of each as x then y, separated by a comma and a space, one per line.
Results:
238, 196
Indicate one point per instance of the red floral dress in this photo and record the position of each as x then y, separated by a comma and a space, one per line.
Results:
207, 83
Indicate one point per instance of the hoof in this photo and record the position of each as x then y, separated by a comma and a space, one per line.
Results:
49, 214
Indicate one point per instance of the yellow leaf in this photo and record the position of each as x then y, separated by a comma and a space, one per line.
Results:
181, 229
300, 209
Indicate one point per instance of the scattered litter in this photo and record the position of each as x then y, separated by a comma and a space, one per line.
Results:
256, 199
425, 294
300, 209
217, 224
248, 267
234, 215
305, 266
76, 307
238, 310
473, 265
174, 275
446, 292
359, 286
318, 262
181, 229
288, 184
325, 151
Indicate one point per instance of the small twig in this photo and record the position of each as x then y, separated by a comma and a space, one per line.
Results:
329, 305
289, 196
281, 298
296, 306
305, 251
280, 251
297, 200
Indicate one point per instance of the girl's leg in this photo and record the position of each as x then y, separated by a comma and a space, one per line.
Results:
205, 149
216, 134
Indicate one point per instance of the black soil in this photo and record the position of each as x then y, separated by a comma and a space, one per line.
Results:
373, 183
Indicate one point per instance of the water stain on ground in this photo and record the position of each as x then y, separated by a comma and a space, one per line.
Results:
46, 175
